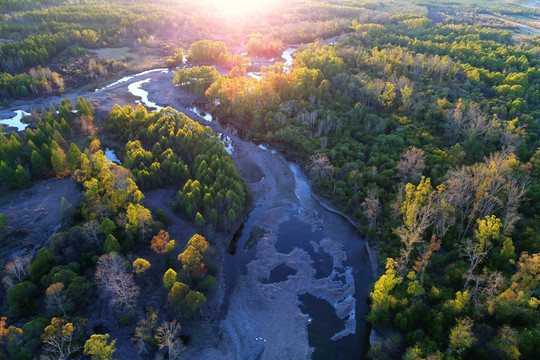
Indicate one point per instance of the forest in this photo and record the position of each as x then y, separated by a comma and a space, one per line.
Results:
419, 121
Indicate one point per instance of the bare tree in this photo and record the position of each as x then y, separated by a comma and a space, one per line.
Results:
115, 283
91, 230
320, 167
167, 337
425, 254
55, 296
486, 287
485, 188
144, 331
371, 207
411, 163
16, 271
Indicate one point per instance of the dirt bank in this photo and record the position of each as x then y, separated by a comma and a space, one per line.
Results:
35, 214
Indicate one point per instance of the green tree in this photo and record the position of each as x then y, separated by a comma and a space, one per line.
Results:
3, 225
199, 220
22, 299
58, 163
73, 157
461, 335
169, 278
21, 177
39, 166
107, 227
111, 244
99, 348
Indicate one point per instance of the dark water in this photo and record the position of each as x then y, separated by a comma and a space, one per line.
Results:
237, 258
296, 233
353, 346
280, 273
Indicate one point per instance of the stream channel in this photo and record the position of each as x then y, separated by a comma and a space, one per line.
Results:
336, 325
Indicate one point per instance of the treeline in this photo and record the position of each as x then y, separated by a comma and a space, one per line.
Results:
214, 52
37, 81
260, 45
17, 5
196, 79
181, 151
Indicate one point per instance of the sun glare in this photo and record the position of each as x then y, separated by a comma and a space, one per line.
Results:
238, 8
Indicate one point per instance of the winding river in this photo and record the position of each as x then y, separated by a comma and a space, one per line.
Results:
331, 279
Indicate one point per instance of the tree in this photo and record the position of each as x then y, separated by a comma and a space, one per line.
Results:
58, 163
192, 256
411, 164
111, 244
99, 348
381, 293
116, 285
199, 220
42, 263
140, 266
169, 278
475, 250
39, 166
3, 225
107, 227
418, 212
20, 177
73, 157
58, 340
55, 297
22, 299
320, 168
461, 335
371, 207
167, 337
138, 217
91, 230
161, 244
10, 337
143, 337
16, 271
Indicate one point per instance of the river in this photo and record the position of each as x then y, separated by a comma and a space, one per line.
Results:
318, 258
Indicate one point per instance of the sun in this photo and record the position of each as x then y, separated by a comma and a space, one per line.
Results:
238, 8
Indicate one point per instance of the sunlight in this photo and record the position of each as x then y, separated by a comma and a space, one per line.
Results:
238, 8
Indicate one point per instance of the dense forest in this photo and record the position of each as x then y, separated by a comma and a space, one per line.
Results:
417, 120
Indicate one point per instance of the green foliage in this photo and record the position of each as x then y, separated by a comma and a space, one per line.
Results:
196, 79
22, 299
169, 279
111, 244
3, 225
209, 51
107, 227
199, 220
42, 263
183, 152
99, 348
